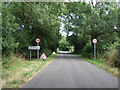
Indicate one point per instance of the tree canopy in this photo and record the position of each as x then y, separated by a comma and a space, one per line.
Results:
23, 22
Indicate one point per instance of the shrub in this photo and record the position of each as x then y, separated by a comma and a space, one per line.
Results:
48, 52
112, 56
87, 50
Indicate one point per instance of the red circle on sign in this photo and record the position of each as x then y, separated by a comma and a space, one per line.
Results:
37, 40
94, 40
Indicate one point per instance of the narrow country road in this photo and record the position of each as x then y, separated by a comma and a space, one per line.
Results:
69, 71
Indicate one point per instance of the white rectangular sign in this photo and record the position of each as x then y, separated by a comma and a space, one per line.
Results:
33, 47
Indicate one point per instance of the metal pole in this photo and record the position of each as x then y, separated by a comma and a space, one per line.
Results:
94, 51
30, 54
37, 51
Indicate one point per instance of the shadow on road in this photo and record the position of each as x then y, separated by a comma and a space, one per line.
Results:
67, 55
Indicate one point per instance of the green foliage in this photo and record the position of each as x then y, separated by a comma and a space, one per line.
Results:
87, 22
87, 50
24, 22
64, 45
48, 52
112, 55
9, 26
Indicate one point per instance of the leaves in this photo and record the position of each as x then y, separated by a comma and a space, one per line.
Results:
24, 22
88, 22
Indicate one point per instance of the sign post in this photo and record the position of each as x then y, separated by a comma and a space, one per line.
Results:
33, 48
30, 54
94, 41
37, 51
37, 41
94, 51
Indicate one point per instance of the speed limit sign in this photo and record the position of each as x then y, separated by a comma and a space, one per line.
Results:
94, 40
37, 40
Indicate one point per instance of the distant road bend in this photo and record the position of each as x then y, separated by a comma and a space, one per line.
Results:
70, 71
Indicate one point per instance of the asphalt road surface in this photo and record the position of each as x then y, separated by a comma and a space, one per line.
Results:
70, 71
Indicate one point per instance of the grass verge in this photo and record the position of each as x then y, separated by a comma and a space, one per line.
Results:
18, 71
100, 63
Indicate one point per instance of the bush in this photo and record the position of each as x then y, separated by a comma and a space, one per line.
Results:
112, 55
48, 52
7, 62
87, 50
64, 44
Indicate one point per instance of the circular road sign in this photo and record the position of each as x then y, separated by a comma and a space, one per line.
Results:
37, 40
94, 40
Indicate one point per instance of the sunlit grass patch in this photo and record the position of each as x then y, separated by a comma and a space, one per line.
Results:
17, 73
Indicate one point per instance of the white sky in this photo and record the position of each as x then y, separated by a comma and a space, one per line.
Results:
63, 32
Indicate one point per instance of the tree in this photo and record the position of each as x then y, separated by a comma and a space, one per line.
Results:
8, 29
87, 22
27, 21
64, 45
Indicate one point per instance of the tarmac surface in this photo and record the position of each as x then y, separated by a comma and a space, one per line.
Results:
70, 71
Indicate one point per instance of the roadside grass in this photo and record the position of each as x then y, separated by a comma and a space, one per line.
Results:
18, 71
101, 64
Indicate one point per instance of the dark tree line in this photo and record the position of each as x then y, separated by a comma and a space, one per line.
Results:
100, 21
22, 22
